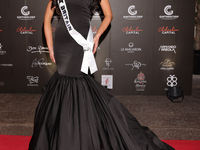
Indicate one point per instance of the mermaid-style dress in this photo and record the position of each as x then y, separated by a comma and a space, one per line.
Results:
76, 112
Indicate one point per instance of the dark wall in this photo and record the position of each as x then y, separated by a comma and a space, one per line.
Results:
147, 48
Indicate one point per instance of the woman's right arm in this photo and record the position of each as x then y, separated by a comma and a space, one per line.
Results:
48, 29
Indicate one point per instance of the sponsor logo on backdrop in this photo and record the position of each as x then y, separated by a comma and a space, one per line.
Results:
167, 64
131, 30
40, 63
172, 81
136, 65
40, 49
167, 48
108, 62
26, 14
167, 30
97, 16
131, 48
2, 52
25, 30
107, 80
140, 82
168, 14
33, 81
98, 48
2, 84
6, 65
56, 17
94, 30
132, 14
53, 29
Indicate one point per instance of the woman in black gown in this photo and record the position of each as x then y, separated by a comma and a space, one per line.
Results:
76, 112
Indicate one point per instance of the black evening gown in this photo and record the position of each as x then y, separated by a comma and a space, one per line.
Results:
76, 112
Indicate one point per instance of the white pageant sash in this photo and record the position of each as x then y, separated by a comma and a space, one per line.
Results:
88, 56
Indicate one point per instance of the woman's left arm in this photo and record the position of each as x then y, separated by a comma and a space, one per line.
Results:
105, 5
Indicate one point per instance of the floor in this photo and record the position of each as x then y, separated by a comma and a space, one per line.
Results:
174, 121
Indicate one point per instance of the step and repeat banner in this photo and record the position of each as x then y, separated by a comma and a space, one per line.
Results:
147, 48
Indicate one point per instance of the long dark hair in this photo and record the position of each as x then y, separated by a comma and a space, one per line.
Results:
94, 6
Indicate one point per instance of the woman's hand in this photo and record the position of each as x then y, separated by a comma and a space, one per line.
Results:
51, 53
96, 42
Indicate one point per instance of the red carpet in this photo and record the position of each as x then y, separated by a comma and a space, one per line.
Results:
11, 142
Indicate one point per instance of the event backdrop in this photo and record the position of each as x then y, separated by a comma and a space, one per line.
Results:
147, 48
